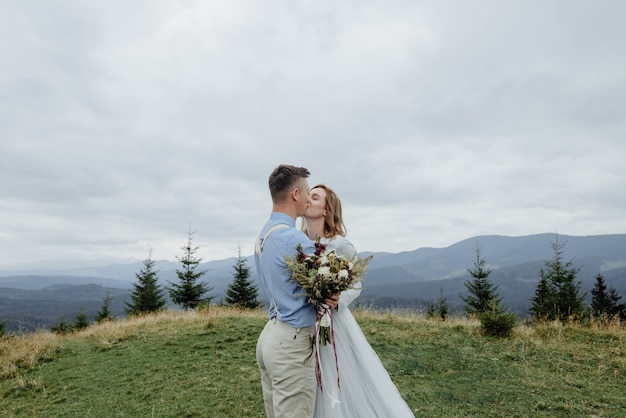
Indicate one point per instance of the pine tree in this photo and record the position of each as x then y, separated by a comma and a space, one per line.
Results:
431, 309
443, 306
104, 314
242, 292
61, 327
603, 303
82, 321
147, 296
189, 292
557, 294
543, 301
619, 308
483, 296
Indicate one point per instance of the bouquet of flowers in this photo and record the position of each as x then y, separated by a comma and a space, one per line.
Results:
321, 275
325, 273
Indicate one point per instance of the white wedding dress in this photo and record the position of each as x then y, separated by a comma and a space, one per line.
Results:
365, 388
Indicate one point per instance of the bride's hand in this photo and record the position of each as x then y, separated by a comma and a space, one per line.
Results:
333, 301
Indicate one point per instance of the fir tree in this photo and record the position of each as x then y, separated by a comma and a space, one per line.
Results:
603, 303
443, 306
147, 296
483, 296
431, 309
543, 301
189, 292
82, 321
619, 308
242, 292
104, 314
557, 294
61, 327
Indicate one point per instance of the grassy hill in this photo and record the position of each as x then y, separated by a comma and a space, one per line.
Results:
202, 364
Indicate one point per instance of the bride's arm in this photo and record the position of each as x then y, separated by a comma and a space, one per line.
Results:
348, 296
346, 248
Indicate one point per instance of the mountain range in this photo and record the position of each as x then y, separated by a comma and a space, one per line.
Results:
37, 297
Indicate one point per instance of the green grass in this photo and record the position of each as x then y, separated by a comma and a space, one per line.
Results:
202, 364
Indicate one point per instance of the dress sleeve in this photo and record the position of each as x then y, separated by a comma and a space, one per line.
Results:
345, 248
348, 296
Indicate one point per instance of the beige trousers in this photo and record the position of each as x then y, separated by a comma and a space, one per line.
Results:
287, 366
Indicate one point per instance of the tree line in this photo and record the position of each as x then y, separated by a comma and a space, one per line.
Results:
189, 292
557, 296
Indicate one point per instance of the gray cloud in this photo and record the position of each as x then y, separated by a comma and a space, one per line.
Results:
123, 125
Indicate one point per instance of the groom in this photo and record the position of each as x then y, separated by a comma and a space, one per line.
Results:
285, 347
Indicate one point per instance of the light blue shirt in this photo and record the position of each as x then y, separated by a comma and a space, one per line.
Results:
287, 300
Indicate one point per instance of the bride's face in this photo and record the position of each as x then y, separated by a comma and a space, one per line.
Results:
317, 206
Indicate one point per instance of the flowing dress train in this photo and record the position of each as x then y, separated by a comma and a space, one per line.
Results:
365, 388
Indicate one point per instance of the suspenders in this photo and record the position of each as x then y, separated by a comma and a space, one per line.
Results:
260, 244
259, 247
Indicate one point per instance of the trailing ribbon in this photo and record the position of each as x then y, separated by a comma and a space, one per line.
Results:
324, 314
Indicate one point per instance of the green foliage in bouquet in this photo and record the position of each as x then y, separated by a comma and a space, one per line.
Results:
322, 275
325, 273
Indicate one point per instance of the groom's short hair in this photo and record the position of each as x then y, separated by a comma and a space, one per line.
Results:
283, 178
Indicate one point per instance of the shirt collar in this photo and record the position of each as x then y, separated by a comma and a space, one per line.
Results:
283, 218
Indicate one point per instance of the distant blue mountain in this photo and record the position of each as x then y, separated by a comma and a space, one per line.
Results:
414, 278
408, 279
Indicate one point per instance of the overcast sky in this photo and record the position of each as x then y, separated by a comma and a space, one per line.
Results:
125, 124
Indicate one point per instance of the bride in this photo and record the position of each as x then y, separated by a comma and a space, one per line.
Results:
365, 388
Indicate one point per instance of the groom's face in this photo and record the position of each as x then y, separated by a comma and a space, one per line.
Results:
302, 196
